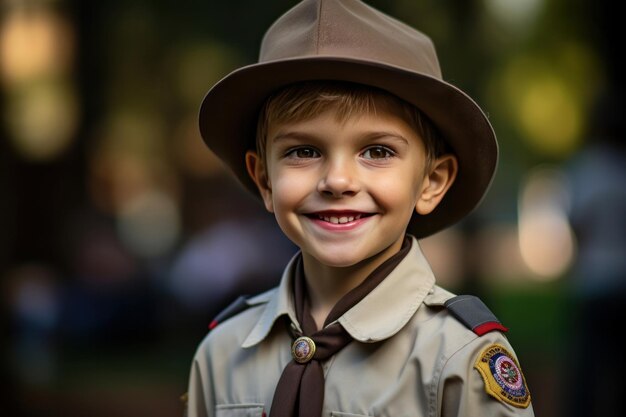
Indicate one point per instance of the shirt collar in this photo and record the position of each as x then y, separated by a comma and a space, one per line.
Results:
375, 317
279, 303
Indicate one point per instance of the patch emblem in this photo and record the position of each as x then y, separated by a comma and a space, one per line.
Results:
503, 376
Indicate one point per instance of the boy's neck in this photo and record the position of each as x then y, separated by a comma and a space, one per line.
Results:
326, 285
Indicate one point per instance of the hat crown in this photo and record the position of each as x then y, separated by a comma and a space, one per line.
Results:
348, 29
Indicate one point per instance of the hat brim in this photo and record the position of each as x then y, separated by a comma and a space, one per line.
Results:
229, 112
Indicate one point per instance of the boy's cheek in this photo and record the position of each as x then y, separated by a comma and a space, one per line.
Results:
290, 182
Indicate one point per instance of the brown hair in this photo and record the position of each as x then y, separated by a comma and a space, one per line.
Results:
308, 99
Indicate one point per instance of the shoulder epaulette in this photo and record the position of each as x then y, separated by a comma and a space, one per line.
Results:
474, 314
236, 307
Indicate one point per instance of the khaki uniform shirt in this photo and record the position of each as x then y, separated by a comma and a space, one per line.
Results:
410, 357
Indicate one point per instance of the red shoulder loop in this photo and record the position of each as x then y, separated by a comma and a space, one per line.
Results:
489, 327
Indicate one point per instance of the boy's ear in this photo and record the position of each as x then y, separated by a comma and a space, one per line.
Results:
437, 182
258, 172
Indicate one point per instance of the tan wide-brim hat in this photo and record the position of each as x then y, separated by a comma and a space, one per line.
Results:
347, 40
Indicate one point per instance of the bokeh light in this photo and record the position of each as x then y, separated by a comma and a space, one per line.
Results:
42, 118
149, 224
546, 96
41, 104
518, 14
546, 239
201, 64
34, 42
128, 158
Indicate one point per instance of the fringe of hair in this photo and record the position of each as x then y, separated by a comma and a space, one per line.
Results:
303, 101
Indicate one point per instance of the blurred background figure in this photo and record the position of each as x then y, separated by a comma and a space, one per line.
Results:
35, 314
597, 179
242, 252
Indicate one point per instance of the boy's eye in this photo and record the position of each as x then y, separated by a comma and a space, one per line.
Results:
377, 152
303, 153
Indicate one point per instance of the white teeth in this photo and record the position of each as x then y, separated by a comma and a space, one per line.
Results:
339, 220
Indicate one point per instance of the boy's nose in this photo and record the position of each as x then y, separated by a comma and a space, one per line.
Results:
339, 180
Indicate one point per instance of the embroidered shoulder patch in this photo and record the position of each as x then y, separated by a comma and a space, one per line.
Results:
503, 376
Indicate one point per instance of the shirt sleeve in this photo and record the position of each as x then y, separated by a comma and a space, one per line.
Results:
200, 402
484, 378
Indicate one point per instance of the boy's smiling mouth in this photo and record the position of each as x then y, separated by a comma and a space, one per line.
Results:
339, 217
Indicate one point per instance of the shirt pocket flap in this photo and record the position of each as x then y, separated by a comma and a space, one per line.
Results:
239, 410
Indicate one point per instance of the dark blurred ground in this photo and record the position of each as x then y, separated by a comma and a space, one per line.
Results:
121, 236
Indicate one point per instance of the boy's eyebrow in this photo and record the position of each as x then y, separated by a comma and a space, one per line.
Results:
383, 134
294, 135
312, 136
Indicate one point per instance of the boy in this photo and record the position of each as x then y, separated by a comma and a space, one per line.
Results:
356, 136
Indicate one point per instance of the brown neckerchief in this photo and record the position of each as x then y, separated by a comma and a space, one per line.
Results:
300, 390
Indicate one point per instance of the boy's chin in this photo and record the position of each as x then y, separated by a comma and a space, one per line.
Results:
333, 259
345, 259
339, 263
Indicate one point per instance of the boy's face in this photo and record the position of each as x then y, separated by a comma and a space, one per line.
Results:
345, 191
